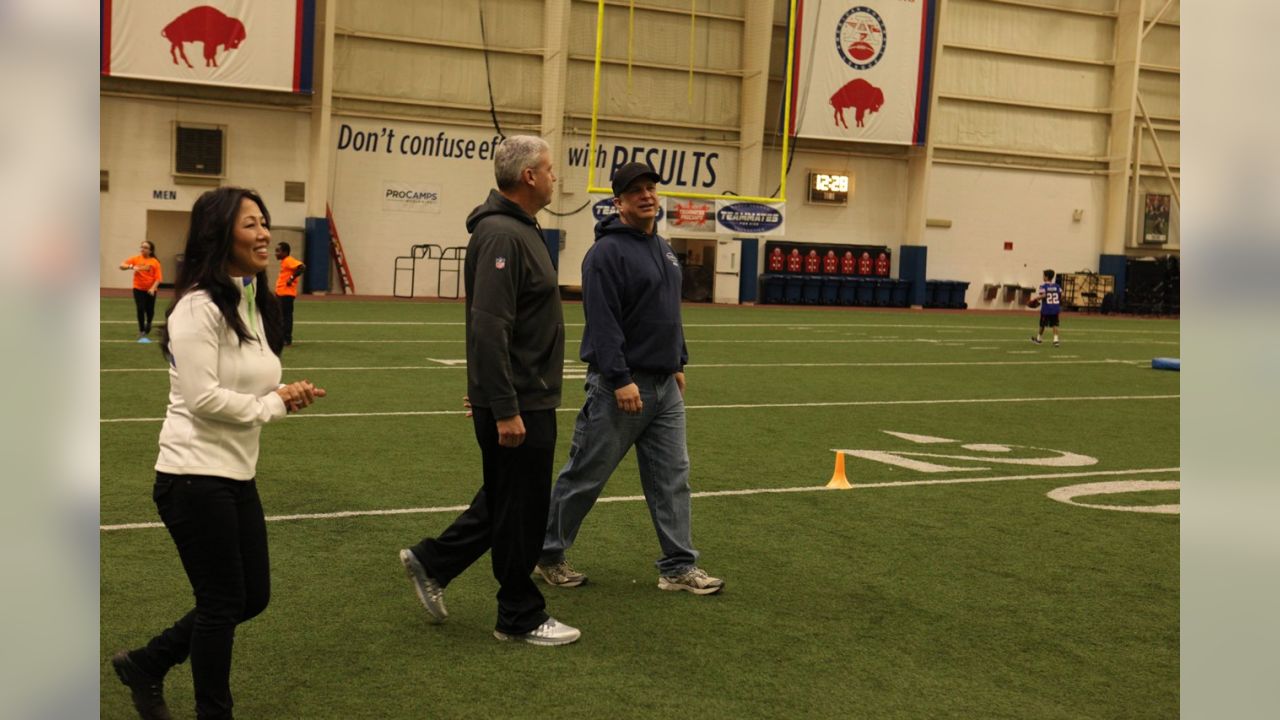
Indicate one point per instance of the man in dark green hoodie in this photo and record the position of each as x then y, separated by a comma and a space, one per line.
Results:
515, 363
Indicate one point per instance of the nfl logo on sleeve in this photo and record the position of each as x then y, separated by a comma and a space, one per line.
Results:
500, 262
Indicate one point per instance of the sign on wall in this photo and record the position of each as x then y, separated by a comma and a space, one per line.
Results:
862, 70
265, 44
686, 217
1155, 226
411, 196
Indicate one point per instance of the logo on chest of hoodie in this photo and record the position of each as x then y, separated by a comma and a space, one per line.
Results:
671, 258
500, 262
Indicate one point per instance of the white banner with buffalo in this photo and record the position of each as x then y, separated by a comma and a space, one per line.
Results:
263, 44
862, 70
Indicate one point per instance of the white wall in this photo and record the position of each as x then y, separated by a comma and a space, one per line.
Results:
374, 230
264, 149
877, 209
988, 207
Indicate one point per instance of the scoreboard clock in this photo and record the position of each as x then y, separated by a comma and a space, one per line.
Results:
829, 188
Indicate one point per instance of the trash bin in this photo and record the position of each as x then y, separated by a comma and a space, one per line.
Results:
794, 289
866, 291
930, 293
830, 289
958, 290
775, 287
812, 290
883, 291
899, 293
848, 290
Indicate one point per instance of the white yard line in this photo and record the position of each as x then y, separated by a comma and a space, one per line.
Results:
849, 403
698, 366
707, 494
948, 328
697, 342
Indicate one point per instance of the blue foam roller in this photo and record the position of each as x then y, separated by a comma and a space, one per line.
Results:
1166, 364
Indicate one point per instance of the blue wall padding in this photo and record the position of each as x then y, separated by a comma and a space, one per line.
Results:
316, 276
912, 264
1114, 265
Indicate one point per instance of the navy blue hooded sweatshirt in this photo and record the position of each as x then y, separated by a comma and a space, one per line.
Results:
631, 298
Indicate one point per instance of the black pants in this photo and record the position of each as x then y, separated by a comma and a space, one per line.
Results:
286, 317
221, 535
508, 515
145, 303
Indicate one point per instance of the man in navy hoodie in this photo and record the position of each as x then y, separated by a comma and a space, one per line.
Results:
634, 347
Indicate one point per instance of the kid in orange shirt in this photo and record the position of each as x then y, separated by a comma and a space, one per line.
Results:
146, 280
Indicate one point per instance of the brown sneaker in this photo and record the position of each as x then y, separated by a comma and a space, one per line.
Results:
561, 574
694, 580
148, 692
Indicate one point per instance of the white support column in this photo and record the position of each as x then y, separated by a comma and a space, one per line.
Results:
1124, 90
321, 111
920, 159
555, 68
757, 32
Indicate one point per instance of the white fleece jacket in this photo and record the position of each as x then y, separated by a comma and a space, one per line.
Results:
220, 392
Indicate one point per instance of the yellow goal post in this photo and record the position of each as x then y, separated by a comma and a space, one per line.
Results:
786, 120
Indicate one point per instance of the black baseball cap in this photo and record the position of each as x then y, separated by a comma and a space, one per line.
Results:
631, 172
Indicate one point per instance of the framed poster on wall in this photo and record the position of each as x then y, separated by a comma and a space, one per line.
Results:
1155, 226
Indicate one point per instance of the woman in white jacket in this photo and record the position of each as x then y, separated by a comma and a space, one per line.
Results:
223, 339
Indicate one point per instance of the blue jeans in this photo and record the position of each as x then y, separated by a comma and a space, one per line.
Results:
602, 435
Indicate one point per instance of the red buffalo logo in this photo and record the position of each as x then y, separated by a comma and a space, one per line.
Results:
860, 95
207, 25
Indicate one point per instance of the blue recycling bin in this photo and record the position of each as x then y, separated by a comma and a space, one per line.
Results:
830, 290
930, 293
883, 291
958, 290
812, 290
775, 288
866, 291
899, 293
848, 290
794, 289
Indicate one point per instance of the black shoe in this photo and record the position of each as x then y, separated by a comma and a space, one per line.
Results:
148, 692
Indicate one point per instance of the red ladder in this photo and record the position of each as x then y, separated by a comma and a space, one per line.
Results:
339, 257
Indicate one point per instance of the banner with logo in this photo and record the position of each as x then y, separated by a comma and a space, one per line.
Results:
862, 70
749, 218
264, 44
688, 217
411, 197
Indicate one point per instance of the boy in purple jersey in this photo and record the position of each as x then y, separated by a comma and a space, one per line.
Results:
1050, 296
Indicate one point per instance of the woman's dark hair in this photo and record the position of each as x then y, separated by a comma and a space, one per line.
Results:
205, 261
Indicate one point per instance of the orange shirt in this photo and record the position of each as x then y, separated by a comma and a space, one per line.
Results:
286, 271
146, 272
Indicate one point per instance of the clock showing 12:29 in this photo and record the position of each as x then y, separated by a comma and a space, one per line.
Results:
829, 188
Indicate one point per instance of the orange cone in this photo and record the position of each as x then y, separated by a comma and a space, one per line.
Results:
838, 480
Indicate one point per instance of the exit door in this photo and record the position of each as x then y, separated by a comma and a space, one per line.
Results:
728, 270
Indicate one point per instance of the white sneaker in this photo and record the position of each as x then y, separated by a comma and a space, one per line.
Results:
552, 632
430, 594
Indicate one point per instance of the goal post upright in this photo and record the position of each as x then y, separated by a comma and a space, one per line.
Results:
786, 121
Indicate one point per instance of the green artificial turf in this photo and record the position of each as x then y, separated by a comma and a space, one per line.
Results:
975, 597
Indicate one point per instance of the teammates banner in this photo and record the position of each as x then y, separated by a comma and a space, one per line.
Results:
264, 44
862, 70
